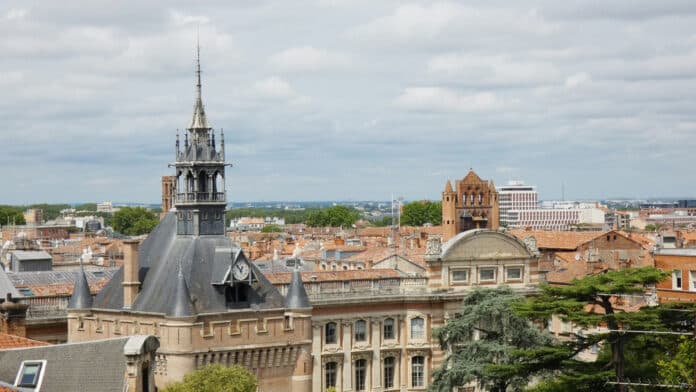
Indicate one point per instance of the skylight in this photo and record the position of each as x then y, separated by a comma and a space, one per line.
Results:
30, 374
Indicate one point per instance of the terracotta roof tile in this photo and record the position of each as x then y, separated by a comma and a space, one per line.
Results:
547, 239
13, 341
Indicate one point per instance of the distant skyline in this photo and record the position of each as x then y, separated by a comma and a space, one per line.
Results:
338, 99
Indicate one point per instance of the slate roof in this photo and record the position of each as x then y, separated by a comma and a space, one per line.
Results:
297, 295
30, 255
203, 259
6, 286
98, 365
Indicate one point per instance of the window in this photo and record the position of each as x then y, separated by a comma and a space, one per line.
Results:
360, 327
330, 333
676, 279
514, 273
389, 329
388, 372
330, 375
460, 276
417, 328
487, 274
360, 366
692, 280
26, 292
417, 369
29, 374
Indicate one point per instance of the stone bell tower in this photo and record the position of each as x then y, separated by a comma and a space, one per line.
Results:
200, 198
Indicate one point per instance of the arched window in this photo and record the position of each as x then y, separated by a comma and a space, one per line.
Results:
417, 328
417, 371
330, 375
360, 330
388, 329
472, 199
330, 333
360, 372
389, 372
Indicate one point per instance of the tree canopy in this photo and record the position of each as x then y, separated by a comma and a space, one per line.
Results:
486, 331
11, 215
587, 302
216, 378
134, 221
333, 216
418, 213
271, 229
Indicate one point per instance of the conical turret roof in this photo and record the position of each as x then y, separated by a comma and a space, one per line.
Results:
297, 295
81, 297
181, 304
448, 187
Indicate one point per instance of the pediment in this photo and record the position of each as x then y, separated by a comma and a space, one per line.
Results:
484, 245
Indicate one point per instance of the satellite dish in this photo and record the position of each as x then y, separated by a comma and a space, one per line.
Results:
577, 257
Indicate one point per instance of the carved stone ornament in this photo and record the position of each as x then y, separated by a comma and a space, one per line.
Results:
531, 244
361, 355
389, 353
433, 246
331, 358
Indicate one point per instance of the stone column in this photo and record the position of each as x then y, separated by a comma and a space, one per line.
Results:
376, 362
403, 361
347, 344
316, 358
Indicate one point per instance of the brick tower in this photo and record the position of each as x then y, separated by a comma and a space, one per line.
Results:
472, 204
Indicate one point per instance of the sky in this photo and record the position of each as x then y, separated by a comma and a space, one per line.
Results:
350, 100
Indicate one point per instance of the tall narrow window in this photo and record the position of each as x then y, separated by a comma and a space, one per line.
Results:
360, 371
388, 372
676, 279
417, 328
360, 330
330, 333
389, 329
330, 375
417, 371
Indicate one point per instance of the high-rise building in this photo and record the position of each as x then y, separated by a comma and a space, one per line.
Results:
516, 196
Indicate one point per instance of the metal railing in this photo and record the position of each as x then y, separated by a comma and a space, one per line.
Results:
195, 197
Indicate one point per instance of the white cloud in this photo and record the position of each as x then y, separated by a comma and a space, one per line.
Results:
308, 58
439, 99
471, 68
16, 14
578, 79
276, 88
180, 19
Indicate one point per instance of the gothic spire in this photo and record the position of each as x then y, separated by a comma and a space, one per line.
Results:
199, 121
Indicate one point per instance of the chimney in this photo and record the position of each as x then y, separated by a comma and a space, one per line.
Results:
131, 269
13, 316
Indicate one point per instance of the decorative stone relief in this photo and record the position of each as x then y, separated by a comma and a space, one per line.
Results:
433, 247
531, 244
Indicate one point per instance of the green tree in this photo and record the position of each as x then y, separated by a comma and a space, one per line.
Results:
334, 216
486, 313
92, 207
557, 364
418, 213
653, 227
216, 378
271, 229
134, 221
11, 215
678, 367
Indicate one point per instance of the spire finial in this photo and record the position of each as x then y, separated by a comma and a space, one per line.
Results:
198, 66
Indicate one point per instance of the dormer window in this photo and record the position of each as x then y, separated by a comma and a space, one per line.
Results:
30, 374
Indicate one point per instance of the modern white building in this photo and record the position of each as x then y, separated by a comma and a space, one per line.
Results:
556, 218
516, 196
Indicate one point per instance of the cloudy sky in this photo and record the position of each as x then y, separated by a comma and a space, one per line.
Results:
340, 99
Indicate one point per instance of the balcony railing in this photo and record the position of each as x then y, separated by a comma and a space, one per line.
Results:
45, 307
196, 197
331, 290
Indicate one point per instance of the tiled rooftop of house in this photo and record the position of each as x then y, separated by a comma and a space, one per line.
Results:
547, 239
12, 341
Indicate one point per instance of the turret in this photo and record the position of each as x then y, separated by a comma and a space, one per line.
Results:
449, 212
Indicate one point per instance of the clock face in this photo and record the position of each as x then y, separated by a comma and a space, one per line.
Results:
240, 270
